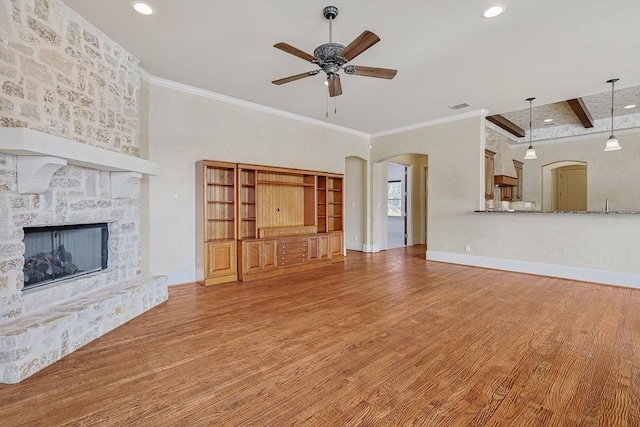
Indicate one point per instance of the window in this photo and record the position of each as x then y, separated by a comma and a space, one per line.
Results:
394, 198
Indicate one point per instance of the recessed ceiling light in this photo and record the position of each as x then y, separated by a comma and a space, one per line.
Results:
548, 120
630, 106
142, 8
494, 11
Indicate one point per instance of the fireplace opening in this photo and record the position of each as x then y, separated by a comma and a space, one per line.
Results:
60, 252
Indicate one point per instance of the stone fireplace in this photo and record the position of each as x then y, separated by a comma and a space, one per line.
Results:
44, 323
70, 140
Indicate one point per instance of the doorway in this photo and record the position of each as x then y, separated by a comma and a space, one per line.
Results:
564, 186
571, 188
397, 205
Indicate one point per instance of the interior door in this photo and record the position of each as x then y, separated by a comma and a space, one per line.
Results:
572, 188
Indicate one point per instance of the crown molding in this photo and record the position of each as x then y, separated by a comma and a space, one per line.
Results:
476, 113
169, 84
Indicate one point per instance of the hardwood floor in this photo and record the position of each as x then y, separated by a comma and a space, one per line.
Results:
384, 339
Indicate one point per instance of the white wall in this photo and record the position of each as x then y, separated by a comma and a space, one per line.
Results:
186, 127
602, 248
355, 199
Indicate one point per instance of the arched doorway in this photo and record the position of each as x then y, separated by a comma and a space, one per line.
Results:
412, 227
564, 186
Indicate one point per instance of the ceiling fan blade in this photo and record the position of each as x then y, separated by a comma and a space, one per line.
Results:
294, 51
381, 73
335, 87
363, 42
296, 77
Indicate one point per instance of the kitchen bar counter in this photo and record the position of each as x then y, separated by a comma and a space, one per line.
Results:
562, 212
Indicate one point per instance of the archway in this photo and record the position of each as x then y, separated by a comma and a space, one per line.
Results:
564, 186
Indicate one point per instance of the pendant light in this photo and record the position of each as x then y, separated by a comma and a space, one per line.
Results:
531, 152
612, 143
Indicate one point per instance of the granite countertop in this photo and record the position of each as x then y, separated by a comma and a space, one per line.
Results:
564, 212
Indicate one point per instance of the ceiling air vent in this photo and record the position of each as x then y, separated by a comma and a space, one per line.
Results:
459, 106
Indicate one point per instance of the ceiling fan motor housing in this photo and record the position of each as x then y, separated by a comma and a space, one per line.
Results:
328, 54
330, 12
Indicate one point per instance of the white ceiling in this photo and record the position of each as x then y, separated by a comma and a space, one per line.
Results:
445, 52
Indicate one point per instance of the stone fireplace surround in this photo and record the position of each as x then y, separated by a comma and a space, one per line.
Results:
40, 326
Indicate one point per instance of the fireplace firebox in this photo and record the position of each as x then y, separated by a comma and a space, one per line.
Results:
60, 252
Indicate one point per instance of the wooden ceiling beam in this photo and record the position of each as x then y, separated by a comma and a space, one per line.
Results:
582, 113
507, 125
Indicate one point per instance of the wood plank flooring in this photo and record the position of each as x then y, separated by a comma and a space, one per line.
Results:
384, 339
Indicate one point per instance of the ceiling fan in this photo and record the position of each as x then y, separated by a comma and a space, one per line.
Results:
333, 57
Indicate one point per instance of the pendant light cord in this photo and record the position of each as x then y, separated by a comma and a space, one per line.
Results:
530, 131
613, 82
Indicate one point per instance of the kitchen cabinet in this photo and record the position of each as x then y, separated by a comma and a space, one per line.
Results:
489, 158
517, 190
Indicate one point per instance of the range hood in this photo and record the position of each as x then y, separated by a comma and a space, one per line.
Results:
504, 171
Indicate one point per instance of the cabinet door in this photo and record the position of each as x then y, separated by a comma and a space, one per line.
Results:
506, 193
269, 254
337, 253
259, 255
488, 174
517, 190
252, 256
324, 243
312, 248
220, 259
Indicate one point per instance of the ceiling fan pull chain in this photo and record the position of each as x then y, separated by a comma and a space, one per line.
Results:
335, 106
326, 109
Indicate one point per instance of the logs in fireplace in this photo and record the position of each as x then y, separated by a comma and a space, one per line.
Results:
49, 266
55, 253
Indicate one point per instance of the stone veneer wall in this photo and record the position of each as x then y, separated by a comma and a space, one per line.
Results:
60, 75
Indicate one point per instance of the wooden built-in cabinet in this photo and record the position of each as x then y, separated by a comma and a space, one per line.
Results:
330, 212
265, 221
215, 222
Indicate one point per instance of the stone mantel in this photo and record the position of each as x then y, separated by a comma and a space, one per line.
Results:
29, 142
40, 155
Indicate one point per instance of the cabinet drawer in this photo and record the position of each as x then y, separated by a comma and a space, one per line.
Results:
291, 259
293, 239
287, 231
292, 250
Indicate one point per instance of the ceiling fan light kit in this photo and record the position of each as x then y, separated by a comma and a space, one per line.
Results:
333, 57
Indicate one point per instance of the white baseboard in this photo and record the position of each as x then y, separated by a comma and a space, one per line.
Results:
181, 277
371, 248
354, 246
562, 271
